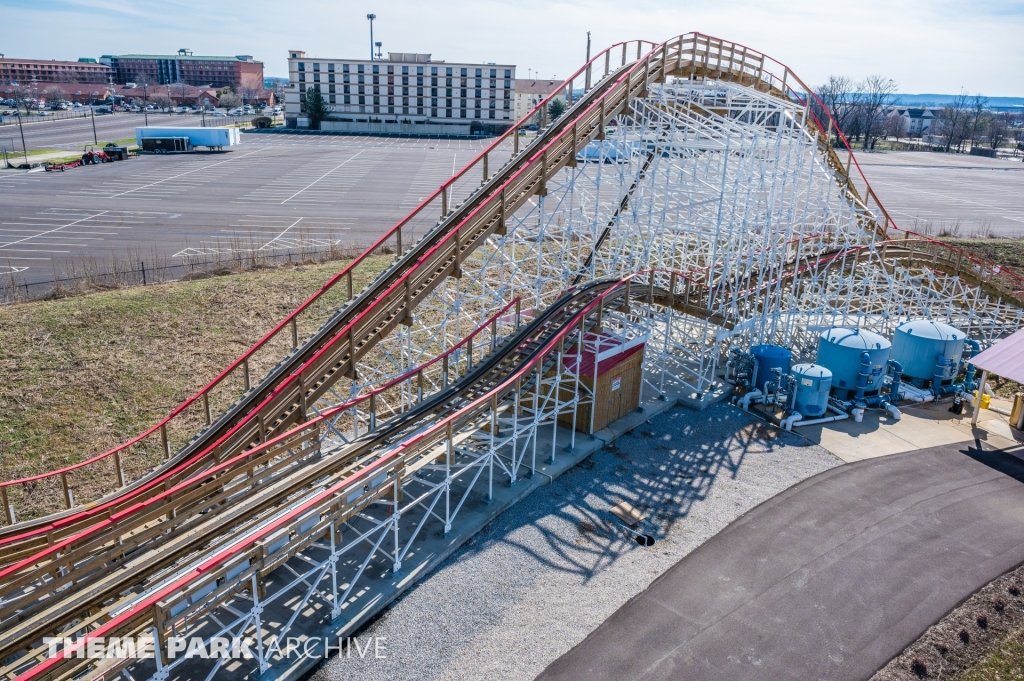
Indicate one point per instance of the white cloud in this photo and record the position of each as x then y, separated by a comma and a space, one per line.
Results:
926, 46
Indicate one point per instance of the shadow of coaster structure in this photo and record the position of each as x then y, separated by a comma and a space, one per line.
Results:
688, 199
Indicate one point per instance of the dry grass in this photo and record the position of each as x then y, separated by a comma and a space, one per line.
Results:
85, 373
1008, 253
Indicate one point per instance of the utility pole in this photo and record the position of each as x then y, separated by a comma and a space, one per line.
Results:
371, 17
588, 48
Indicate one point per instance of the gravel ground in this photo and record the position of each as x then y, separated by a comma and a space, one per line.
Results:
549, 570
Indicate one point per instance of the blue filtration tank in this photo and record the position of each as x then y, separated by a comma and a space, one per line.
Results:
917, 345
770, 357
840, 350
810, 394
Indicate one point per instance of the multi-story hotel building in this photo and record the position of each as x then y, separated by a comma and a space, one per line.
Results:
28, 71
185, 67
404, 89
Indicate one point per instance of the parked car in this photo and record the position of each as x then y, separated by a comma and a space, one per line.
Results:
77, 105
44, 113
235, 112
218, 113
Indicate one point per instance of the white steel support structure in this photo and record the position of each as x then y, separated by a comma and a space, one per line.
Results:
708, 213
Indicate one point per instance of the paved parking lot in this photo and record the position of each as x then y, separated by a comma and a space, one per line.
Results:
76, 132
272, 193
949, 194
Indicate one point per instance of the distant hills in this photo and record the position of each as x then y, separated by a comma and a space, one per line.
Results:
942, 100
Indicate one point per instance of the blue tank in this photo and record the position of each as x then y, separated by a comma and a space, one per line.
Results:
917, 345
810, 392
770, 357
840, 350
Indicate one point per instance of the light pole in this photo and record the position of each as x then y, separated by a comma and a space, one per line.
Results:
371, 17
24, 149
588, 48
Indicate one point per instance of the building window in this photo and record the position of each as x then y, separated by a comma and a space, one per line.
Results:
346, 88
360, 68
494, 73
362, 100
348, 100
302, 66
508, 74
330, 67
316, 67
479, 72
419, 92
462, 113
448, 72
316, 77
376, 100
330, 78
433, 70
405, 72
345, 78
362, 79
330, 88
491, 114
447, 113
376, 69
476, 93
464, 72
344, 69
419, 70
405, 81
333, 98
302, 77
419, 81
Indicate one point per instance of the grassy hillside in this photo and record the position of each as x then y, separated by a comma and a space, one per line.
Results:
83, 374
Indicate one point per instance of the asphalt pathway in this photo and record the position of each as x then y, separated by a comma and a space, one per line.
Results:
828, 580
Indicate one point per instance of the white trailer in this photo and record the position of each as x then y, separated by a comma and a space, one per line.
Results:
212, 138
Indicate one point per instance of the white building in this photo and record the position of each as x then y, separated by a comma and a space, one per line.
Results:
919, 120
405, 93
529, 93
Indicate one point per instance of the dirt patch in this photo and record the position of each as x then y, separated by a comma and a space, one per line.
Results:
982, 639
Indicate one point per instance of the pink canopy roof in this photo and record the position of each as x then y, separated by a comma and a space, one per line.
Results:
1004, 359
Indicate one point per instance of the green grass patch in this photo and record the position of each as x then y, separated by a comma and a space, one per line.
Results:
1004, 662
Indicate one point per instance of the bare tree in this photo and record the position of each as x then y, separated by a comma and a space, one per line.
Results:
180, 89
54, 94
229, 99
838, 96
999, 128
142, 83
953, 120
161, 100
250, 87
878, 95
980, 118
896, 125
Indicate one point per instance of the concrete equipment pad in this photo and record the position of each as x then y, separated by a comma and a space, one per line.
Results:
828, 580
921, 426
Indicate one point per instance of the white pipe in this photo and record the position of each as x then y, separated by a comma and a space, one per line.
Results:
891, 408
744, 402
788, 422
825, 419
858, 414
988, 390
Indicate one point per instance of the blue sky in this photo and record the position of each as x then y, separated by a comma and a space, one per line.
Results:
925, 45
